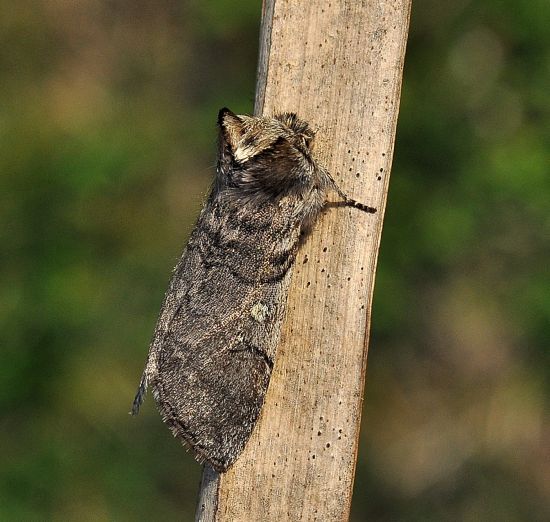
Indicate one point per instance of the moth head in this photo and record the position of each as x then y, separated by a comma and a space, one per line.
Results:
270, 155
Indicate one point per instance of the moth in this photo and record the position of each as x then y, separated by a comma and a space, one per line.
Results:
213, 350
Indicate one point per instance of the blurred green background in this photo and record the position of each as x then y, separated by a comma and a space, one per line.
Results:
107, 148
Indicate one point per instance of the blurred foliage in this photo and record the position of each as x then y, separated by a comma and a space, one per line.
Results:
107, 132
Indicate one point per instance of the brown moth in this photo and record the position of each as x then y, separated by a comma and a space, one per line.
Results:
215, 342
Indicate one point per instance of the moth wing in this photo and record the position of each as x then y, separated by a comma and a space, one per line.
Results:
212, 354
214, 362
211, 396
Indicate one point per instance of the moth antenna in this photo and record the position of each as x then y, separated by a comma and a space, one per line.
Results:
355, 204
347, 201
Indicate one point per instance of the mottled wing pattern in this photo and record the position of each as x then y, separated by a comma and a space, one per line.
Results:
214, 348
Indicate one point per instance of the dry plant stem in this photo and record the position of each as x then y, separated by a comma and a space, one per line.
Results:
339, 66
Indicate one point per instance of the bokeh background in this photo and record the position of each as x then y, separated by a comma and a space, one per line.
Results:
107, 148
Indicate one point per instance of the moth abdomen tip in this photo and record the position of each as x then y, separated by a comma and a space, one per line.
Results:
135, 407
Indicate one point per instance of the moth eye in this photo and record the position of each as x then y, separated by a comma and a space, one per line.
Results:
306, 141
